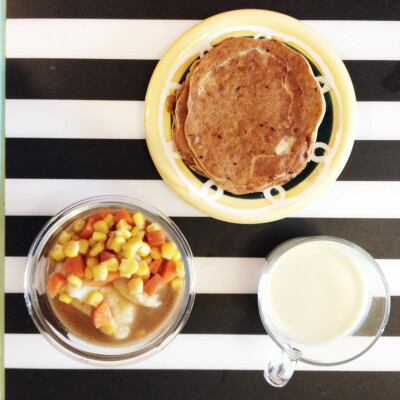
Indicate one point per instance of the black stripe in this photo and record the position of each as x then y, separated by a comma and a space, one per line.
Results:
209, 237
79, 159
175, 9
373, 161
128, 79
375, 80
130, 159
217, 314
126, 384
78, 79
211, 314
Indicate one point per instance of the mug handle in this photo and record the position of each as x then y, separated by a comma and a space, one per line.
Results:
280, 368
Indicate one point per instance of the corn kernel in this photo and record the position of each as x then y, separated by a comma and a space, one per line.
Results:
57, 252
75, 237
71, 248
64, 237
148, 259
128, 251
74, 280
117, 244
180, 268
141, 234
96, 249
130, 248
176, 283
177, 255
109, 327
155, 253
153, 227
168, 249
109, 220
92, 261
88, 273
78, 225
123, 233
135, 230
138, 232
109, 242
101, 226
144, 250
135, 286
92, 242
122, 275
129, 266
100, 272
143, 269
83, 246
138, 219
95, 298
122, 224
136, 242
112, 264
99, 236
65, 298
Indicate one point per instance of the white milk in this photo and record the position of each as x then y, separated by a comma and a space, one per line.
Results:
315, 293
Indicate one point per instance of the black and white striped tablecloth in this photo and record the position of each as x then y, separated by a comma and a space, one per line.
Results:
76, 77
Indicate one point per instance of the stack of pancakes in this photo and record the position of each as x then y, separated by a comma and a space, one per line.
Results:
247, 114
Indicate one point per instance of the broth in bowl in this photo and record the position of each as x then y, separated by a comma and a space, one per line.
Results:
114, 277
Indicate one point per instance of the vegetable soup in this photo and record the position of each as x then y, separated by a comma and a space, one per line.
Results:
114, 277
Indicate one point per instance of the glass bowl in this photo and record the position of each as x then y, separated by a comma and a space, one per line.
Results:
58, 334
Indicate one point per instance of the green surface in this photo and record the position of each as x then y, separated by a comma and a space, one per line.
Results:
2, 96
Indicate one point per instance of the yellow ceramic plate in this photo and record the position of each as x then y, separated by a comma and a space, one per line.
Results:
335, 135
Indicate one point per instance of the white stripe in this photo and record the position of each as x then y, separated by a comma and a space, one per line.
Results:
342, 200
47, 197
377, 120
351, 199
216, 275
91, 38
218, 352
74, 119
140, 39
90, 119
360, 40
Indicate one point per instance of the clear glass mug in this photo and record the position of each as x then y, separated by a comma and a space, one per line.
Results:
350, 344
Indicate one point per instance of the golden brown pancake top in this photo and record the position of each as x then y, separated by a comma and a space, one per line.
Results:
253, 110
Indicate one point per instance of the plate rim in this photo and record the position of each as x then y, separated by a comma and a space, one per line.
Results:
347, 101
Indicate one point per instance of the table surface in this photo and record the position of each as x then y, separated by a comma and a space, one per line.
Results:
77, 74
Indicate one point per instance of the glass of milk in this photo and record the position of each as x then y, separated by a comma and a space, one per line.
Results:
323, 301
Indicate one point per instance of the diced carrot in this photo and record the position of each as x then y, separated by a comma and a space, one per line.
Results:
75, 265
106, 255
123, 214
154, 284
112, 276
101, 314
155, 265
155, 238
55, 284
87, 231
169, 271
101, 215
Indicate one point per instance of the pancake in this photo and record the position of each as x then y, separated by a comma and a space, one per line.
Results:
253, 110
177, 105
